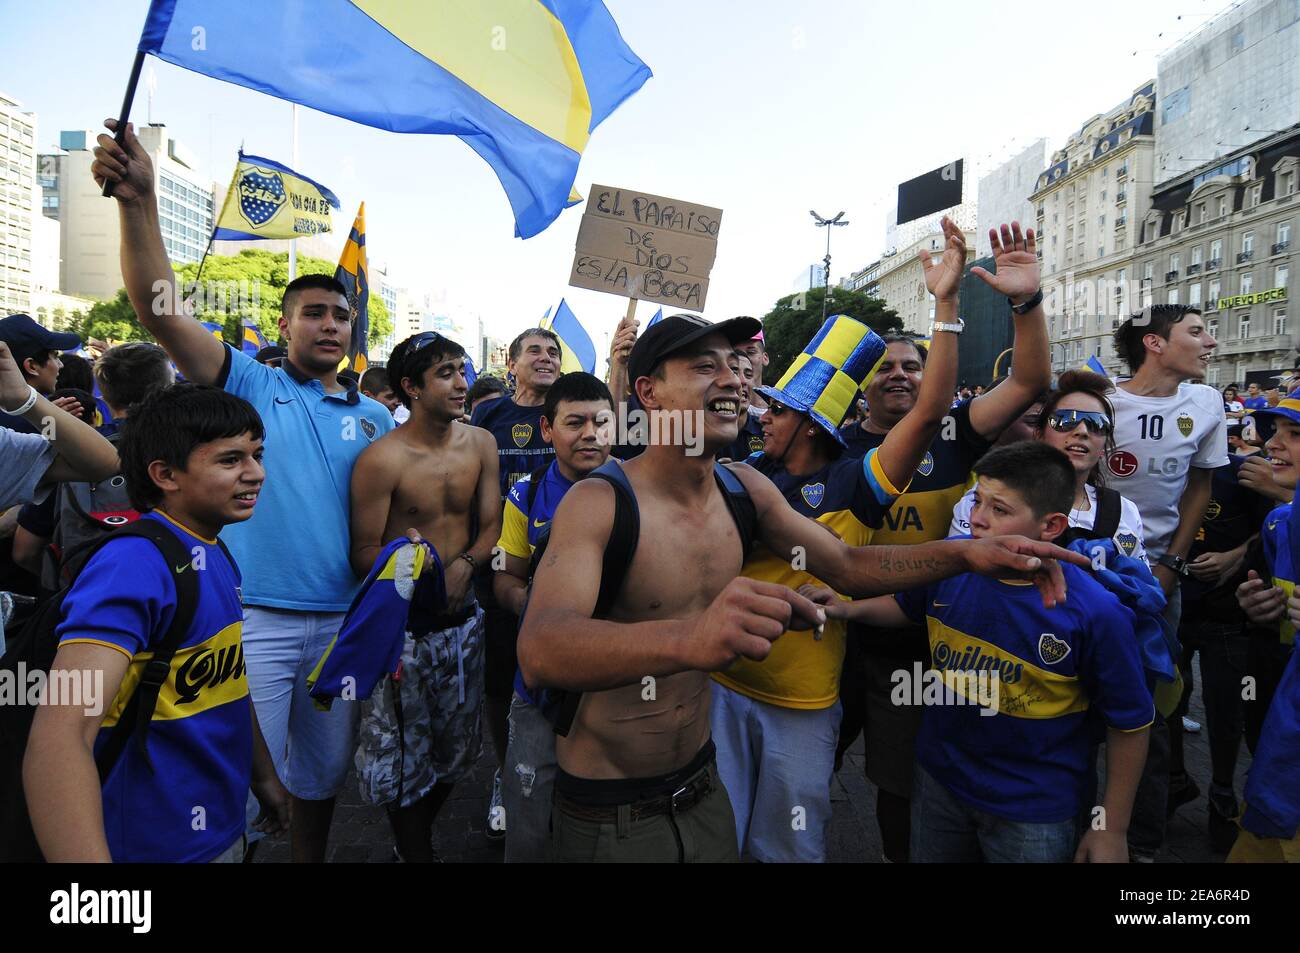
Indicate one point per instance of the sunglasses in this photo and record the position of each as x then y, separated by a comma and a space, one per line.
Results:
1064, 421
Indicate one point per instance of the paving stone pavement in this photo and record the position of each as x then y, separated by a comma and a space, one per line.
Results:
361, 834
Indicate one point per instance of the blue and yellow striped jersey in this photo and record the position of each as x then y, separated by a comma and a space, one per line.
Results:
190, 808
1027, 761
850, 496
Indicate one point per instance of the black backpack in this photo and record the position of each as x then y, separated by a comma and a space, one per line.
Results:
33, 648
1104, 525
560, 706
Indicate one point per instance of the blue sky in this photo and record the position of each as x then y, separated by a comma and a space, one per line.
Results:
763, 109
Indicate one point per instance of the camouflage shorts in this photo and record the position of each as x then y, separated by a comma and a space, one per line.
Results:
440, 730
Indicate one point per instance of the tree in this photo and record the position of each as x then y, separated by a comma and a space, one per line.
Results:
787, 329
251, 285
112, 320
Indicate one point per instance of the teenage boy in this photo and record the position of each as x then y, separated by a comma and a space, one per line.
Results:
60, 447
922, 514
35, 350
437, 477
776, 722
1001, 759
636, 777
375, 385
192, 460
317, 427
578, 421
1170, 436
79, 511
515, 422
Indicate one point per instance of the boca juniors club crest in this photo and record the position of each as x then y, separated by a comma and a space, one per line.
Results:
927, 465
521, 433
1128, 542
1185, 425
368, 428
813, 494
1051, 649
261, 195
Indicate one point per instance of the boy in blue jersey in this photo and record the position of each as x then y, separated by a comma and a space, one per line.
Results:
1003, 754
192, 459
578, 421
1272, 810
297, 580
436, 477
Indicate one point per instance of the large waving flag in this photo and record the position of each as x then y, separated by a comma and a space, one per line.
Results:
270, 200
353, 274
579, 354
522, 82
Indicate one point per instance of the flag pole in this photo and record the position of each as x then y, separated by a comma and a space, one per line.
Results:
293, 242
119, 134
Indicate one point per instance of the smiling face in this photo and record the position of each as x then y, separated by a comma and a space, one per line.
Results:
1187, 352
441, 389
317, 330
581, 435
538, 364
218, 485
892, 390
1283, 449
704, 379
1081, 445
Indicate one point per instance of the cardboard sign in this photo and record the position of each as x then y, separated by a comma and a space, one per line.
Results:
646, 246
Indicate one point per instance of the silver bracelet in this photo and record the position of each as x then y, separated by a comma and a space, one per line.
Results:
27, 405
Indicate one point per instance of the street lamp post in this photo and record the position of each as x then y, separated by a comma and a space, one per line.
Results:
827, 224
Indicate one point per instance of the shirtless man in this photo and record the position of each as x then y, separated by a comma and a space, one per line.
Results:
637, 779
433, 478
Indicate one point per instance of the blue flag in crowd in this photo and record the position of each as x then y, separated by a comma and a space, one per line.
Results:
579, 353
522, 82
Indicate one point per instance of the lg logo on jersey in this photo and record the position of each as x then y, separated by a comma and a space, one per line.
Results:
1123, 464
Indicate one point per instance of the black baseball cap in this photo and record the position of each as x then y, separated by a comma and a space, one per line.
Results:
669, 335
27, 339
272, 352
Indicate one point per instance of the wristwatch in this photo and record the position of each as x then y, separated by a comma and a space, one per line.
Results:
1029, 305
951, 328
1177, 563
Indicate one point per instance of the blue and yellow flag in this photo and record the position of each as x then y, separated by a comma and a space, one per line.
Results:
579, 354
353, 274
270, 200
253, 339
522, 82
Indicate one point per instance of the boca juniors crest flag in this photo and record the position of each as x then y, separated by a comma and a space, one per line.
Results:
270, 200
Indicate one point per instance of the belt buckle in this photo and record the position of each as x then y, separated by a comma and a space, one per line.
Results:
672, 801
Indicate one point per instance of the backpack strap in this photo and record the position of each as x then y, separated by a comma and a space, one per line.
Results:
624, 534
1109, 504
740, 505
138, 713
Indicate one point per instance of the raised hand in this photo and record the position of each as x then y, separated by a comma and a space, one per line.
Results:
1015, 259
943, 279
624, 338
1014, 557
127, 166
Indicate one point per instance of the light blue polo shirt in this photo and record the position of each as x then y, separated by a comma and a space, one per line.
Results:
293, 552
